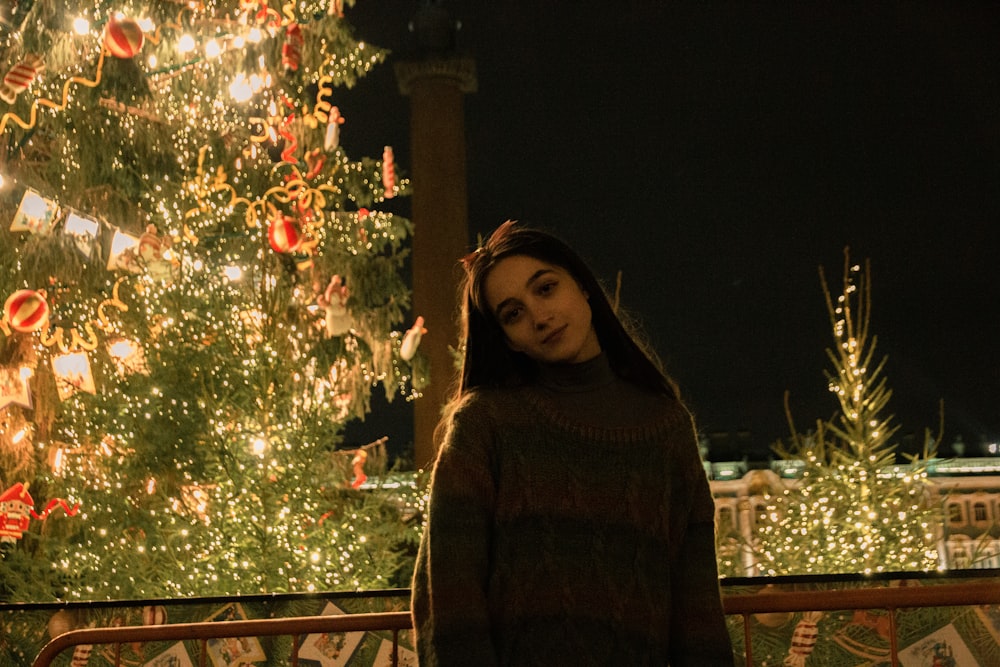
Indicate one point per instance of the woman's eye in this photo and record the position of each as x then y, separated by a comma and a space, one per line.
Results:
546, 288
510, 315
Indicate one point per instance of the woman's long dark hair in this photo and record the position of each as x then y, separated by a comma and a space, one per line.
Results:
489, 362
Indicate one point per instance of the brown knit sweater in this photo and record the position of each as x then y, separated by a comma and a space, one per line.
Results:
570, 523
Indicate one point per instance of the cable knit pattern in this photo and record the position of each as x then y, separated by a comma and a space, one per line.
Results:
569, 524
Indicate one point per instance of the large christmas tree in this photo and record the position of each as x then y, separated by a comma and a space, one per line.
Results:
200, 291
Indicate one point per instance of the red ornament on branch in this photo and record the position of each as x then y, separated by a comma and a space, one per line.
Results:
26, 310
284, 234
123, 38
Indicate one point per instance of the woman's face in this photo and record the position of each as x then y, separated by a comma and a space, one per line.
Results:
542, 310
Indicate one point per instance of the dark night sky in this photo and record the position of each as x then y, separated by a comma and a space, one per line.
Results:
717, 154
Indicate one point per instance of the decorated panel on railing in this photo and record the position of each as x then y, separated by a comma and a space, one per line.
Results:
942, 636
33, 626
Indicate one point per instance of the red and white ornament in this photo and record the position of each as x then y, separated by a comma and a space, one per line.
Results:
411, 340
154, 615
81, 655
803, 639
284, 234
388, 172
26, 310
123, 38
332, 137
20, 76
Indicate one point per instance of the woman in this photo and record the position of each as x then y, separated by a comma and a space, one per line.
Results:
570, 519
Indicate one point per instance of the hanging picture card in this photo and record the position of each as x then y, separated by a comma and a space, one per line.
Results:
14, 387
233, 651
84, 232
124, 254
331, 649
175, 656
36, 214
73, 374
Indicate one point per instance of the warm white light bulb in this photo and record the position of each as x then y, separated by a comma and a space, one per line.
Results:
186, 43
241, 89
81, 26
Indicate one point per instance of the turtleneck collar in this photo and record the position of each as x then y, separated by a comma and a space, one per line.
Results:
579, 377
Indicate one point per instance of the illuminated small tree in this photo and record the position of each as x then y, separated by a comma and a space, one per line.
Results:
853, 510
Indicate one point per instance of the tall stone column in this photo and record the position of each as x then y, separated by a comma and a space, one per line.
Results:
436, 84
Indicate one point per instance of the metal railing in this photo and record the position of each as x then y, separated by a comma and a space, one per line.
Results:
295, 627
887, 598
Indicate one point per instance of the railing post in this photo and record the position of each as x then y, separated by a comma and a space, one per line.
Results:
295, 650
893, 643
747, 644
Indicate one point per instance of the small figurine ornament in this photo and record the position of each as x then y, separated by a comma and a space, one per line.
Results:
358, 463
334, 301
411, 340
151, 246
332, 138
17, 507
388, 172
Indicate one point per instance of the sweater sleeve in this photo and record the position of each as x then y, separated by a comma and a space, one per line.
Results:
699, 636
449, 594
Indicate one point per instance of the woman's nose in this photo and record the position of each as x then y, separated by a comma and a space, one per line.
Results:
540, 318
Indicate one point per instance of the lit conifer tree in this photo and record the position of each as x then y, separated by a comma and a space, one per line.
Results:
854, 509
201, 289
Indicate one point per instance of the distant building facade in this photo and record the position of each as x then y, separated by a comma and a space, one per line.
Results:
967, 488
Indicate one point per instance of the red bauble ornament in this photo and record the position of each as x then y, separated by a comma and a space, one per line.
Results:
284, 235
26, 310
123, 38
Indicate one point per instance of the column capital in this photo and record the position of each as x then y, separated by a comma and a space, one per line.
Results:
459, 69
